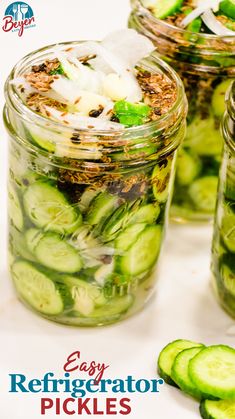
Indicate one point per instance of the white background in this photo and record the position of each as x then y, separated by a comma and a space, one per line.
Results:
184, 306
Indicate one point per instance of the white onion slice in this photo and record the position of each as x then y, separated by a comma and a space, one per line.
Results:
215, 26
83, 122
114, 63
201, 7
128, 45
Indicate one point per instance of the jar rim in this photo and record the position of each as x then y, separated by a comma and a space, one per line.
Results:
14, 101
205, 36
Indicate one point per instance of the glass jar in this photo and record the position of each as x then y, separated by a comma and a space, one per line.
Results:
205, 63
223, 249
87, 217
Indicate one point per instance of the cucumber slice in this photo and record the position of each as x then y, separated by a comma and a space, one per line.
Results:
203, 193
228, 8
179, 372
203, 138
55, 253
88, 195
188, 168
228, 229
48, 208
161, 180
129, 236
18, 245
168, 355
218, 98
14, 208
217, 409
101, 207
147, 214
116, 223
114, 307
161, 9
85, 296
229, 279
44, 139
143, 253
213, 371
32, 238
37, 289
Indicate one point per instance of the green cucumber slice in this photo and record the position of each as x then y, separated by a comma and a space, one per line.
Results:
18, 245
161, 9
55, 253
213, 371
143, 253
48, 208
32, 238
228, 229
86, 296
44, 139
88, 195
203, 138
101, 207
228, 8
116, 223
218, 98
217, 409
14, 208
188, 168
229, 279
203, 193
179, 372
114, 307
129, 236
37, 289
161, 180
168, 355
146, 214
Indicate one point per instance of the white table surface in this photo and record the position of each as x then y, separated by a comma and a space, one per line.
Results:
184, 306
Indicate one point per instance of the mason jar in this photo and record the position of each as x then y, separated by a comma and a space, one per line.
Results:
88, 209
223, 249
206, 64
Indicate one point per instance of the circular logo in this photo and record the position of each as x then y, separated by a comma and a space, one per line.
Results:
19, 11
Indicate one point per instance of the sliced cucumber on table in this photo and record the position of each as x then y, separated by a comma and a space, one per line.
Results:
179, 372
217, 409
14, 208
203, 193
228, 8
213, 371
168, 355
142, 254
37, 288
48, 208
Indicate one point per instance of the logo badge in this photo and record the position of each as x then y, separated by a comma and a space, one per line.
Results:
18, 17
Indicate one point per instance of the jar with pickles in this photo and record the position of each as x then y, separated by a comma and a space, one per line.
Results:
93, 132
223, 251
198, 39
